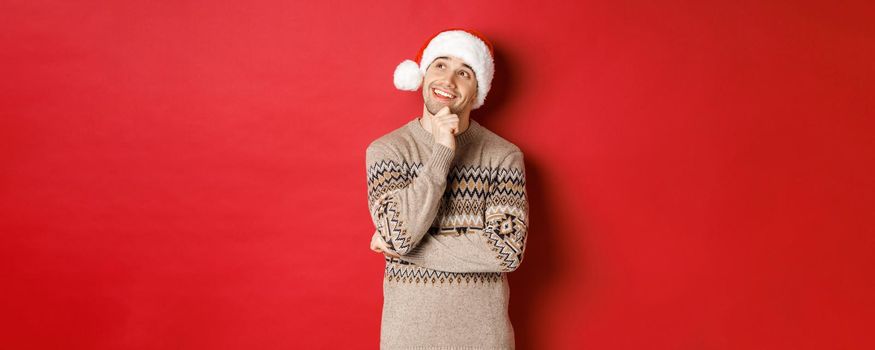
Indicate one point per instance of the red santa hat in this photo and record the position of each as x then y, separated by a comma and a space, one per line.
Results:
468, 45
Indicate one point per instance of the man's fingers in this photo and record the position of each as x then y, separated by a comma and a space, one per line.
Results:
376, 249
375, 243
447, 119
378, 245
383, 246
390, 252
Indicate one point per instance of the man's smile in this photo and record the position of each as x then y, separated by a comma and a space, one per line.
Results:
442, 94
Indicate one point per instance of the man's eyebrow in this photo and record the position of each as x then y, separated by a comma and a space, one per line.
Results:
447, 58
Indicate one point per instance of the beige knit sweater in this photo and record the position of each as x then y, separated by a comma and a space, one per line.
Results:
459, 219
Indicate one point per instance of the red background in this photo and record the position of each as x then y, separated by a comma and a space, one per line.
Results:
190, 174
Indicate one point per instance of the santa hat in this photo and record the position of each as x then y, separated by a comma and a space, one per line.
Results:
468, 45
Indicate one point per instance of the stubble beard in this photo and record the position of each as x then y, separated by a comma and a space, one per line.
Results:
433, 107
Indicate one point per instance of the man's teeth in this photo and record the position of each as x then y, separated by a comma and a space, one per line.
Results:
444, 94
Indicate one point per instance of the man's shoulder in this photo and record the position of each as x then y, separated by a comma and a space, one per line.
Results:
498, 145
392, 140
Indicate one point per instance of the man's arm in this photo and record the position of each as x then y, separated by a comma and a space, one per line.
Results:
499, 246
402, 206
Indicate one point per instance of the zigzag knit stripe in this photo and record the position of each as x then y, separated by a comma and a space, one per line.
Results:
404, 272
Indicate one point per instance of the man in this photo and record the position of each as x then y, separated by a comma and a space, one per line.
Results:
447, 197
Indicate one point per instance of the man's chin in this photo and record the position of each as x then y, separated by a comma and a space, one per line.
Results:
435, 107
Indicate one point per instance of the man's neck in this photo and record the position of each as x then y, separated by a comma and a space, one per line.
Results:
427, 121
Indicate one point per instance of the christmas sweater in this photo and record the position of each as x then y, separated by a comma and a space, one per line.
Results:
458, 220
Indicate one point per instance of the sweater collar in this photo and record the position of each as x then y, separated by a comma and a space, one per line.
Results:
470, 134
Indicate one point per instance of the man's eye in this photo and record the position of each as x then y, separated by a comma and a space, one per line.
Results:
464, 74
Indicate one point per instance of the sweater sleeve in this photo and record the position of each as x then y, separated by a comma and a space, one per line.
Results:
403, 204
497, 247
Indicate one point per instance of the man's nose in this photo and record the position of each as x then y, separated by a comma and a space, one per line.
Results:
450, 80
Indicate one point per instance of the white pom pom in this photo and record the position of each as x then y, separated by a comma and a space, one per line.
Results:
407, 76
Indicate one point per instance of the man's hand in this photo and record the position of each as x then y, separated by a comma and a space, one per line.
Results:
379, 245
445, 126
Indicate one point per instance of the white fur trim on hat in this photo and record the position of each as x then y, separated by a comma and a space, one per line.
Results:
459, 43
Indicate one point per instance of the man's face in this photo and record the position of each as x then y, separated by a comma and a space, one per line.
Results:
449, 75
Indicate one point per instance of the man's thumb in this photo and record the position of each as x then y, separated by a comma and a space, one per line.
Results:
443, 111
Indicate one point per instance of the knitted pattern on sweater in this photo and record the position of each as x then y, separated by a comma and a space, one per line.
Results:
458, 219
